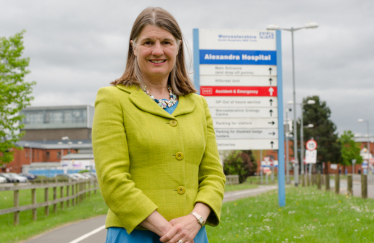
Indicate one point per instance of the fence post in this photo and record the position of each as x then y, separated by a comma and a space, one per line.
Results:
76, 193
319, 181
350, 184
33, 201
67, 195
307, 180
95, 186
89, 187
327, 182
54, 198
72, 194
16, 204
46, 208
61, 196
337, 184
364, 186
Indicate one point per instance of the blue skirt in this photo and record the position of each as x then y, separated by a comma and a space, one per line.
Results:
120, 235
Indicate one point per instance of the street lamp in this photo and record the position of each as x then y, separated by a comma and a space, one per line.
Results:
309, 25
309, 102
368, 143
67, 138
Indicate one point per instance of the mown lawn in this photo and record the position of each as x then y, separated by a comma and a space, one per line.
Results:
310, 215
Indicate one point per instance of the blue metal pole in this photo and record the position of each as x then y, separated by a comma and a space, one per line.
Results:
196, 60
281, 178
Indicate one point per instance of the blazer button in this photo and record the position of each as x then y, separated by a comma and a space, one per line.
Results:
179, 156
181, 190
173, 123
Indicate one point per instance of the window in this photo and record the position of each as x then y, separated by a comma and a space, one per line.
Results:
58, 154
47, 155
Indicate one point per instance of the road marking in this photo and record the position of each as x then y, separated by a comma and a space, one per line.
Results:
88, 234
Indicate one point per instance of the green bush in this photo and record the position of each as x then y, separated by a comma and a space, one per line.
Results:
83, 171
240, 163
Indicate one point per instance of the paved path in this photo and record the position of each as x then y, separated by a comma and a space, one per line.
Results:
93, 230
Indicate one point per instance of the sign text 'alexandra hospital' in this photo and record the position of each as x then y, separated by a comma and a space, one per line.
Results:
237, 72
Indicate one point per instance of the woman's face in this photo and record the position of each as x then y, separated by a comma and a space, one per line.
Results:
156, 50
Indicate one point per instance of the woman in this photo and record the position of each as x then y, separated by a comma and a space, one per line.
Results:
154, 144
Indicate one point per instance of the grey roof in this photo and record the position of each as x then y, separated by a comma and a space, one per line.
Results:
57, 144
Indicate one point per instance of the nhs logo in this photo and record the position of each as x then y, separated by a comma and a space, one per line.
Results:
266, 35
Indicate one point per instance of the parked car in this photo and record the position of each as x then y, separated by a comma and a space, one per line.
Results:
29, 176
80, 176
3, 180
19, 178
67, 176
13, 179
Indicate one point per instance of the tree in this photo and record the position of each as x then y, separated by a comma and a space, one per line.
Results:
350, 149
240, 163
15, 93
324, 130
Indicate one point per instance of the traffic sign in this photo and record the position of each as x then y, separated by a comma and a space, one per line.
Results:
311, 145
220, 101
215, 80
310, 156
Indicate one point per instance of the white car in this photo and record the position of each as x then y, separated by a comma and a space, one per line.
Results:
19, 178
3, 180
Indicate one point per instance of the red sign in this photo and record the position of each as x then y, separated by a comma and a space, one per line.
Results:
238, 91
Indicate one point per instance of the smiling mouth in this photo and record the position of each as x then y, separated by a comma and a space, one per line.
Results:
157, 61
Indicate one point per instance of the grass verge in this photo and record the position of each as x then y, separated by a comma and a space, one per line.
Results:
310, 215
90, 207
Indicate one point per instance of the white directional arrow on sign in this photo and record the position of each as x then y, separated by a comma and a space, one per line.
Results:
271, 91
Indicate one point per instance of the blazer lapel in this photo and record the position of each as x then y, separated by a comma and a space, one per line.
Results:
186, 104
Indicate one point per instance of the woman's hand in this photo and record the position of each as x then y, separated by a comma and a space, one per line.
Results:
184, 228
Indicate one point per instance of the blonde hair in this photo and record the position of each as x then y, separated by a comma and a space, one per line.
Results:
178, 78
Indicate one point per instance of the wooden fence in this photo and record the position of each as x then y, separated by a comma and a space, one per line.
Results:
232, 179
79, 191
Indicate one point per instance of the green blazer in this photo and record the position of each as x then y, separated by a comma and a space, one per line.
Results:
147, 159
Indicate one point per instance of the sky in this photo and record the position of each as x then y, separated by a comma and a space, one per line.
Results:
76, 47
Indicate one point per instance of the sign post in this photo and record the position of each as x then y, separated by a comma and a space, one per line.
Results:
239, 72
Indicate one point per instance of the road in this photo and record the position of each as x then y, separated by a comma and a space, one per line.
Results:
93, 230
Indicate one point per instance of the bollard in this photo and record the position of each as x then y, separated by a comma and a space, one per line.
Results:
349, 185
364, 186
319, 181
337, 184
327, 182
302, 177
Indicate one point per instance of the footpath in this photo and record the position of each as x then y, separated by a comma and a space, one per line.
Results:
93, 230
